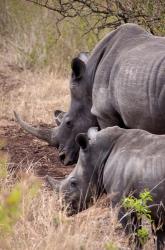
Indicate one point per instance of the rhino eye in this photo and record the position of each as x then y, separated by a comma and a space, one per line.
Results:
73, 183
69, 123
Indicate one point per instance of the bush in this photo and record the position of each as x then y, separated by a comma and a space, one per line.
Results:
141, 208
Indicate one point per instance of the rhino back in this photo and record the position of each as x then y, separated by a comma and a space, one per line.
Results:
138, 84
130, 79
137, 163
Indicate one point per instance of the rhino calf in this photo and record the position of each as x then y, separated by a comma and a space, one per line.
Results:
119, 162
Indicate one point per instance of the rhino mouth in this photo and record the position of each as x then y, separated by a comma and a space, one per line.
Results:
68, 157
75, 207
72, 209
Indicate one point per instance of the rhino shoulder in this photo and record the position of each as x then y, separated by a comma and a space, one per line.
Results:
132, 27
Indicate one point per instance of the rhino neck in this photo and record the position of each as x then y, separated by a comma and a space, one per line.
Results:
92, 66
105, 142
98, 54
98, 177
95, 176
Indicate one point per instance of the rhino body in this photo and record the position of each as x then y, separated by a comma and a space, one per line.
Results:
129, 82
119, 162
121, 83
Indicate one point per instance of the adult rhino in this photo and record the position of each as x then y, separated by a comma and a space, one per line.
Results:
121, 83
119, 162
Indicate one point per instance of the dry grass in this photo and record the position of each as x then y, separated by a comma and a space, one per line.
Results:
43, 226
34, 95
50, 229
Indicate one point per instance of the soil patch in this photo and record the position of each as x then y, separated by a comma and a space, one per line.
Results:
25, 152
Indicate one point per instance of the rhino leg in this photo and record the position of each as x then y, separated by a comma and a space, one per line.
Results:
124, 220
136, 225
131, 225
161, 238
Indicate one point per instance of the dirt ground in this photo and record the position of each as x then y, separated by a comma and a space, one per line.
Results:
25, 151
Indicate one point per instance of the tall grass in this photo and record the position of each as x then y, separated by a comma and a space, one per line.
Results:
38, 223
32, 220
36, 39
35, 95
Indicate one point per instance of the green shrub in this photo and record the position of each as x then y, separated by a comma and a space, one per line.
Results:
141, 208
12, 201
111, 246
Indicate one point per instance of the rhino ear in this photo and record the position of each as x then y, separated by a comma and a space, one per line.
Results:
78, 68
84, 56
54, 184
59, 116
82, 141
92, 132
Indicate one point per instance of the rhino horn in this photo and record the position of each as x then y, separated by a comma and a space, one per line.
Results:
45, 134
54, 184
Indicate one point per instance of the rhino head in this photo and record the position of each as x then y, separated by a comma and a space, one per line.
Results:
86, 181
78, 118
82, 185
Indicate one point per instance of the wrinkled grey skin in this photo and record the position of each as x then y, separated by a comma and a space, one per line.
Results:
119, 162
121, 83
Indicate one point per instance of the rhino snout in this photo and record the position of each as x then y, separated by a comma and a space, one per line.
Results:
62, 156
68, 157
65, 159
